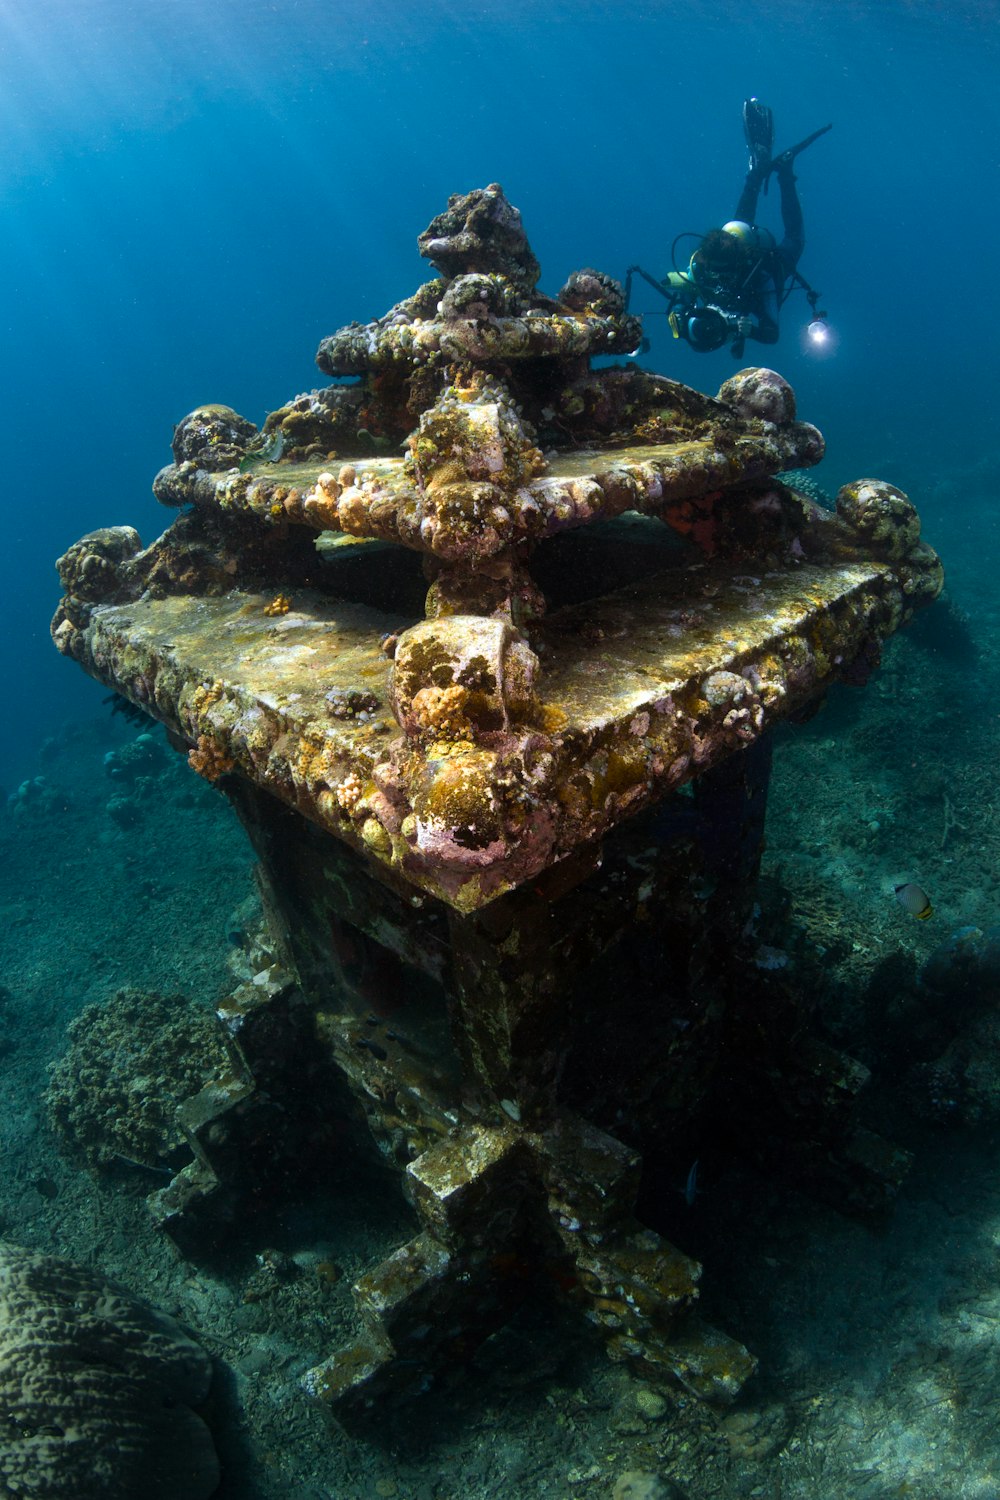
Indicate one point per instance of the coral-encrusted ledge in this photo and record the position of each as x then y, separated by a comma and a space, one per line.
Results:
490, 783
504, 492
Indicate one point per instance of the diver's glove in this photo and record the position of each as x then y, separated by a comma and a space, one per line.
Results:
740, 328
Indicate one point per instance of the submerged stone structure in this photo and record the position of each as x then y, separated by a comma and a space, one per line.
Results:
484, 643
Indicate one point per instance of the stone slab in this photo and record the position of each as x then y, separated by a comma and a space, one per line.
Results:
642, 690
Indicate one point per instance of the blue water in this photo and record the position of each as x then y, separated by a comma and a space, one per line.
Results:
192, 195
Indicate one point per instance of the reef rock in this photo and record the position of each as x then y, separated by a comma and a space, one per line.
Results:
97, 1390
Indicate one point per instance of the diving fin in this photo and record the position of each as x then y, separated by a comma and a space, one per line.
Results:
787, 157
758, 129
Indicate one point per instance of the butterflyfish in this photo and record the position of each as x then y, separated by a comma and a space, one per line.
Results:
914, 899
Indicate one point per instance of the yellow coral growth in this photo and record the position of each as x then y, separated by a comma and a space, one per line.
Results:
442, 710
279, 605
205, 694
349, 792
209, 759
451, 472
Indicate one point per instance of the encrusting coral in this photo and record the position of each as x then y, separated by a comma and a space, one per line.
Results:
478, 435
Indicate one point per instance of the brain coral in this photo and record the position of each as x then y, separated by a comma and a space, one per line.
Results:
96, 1390
129, 1064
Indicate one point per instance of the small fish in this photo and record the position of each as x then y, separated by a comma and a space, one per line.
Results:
344, 539
366, 1044
269, 452
690, 1188
914, 899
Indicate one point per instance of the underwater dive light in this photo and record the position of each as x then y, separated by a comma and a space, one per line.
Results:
818, 338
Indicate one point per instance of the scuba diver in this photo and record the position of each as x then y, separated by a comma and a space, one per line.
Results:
736, 281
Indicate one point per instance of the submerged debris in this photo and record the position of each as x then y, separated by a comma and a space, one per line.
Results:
462, 803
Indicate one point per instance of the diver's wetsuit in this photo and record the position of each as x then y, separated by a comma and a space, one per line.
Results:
762, 298
735, 282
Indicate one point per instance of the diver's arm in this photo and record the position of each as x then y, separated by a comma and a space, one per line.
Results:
764, 332
763, 319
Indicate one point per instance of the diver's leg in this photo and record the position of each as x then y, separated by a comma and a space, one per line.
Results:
746, 208
758, 132
793, 244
